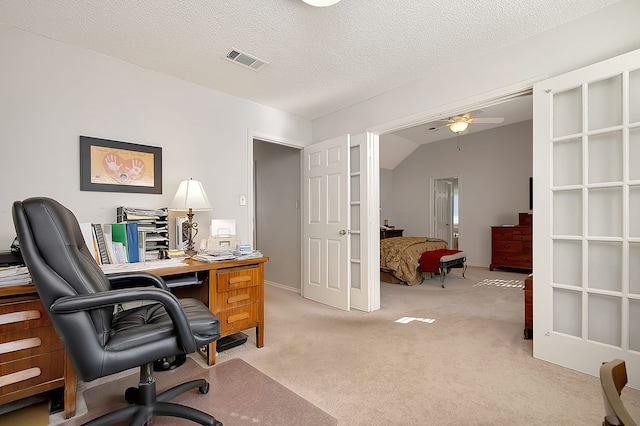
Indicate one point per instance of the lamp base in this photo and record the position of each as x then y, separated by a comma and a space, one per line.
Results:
190, 253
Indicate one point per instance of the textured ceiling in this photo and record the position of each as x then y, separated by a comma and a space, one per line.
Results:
320, 59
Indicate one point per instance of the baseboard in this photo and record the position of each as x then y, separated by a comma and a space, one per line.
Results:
282, 286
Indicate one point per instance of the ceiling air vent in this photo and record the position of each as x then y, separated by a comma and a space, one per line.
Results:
246, 60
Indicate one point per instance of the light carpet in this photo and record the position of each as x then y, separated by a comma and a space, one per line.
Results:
239, 395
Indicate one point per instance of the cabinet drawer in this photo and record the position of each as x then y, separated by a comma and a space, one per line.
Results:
237, 319
22, 315
502, 233
235, 298
507, 247
29, 372
26, 343
237, 278
514, 260
522, 234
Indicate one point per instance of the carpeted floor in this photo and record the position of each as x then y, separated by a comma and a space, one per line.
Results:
239, 395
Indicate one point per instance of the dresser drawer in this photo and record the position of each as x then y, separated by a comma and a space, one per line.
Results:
237, 278
501, 233
29, 372
235, 298
22, 315
507, 247
26, 343
237, 319
515, 260
522, 234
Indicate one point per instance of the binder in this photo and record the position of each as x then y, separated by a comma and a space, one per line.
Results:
119, 235
132, 242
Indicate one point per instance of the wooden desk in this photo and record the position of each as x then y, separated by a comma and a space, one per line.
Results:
233, 290
33, 361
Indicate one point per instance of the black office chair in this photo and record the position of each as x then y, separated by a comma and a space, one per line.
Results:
80, 300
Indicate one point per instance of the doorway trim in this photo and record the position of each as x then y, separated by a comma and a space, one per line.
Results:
278, 140
480, 101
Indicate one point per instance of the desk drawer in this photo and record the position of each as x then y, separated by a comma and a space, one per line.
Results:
28, 372
235, 298
22, 315
26, 343
238, 318
237, 278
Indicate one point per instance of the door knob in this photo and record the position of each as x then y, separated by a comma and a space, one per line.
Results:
343, 232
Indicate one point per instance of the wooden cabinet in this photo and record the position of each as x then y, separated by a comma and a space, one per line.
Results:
528, 307
390, 233
511, 246
32, 358
238, 298
234, 291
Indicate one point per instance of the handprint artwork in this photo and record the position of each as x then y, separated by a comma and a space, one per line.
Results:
123, 171
123, 167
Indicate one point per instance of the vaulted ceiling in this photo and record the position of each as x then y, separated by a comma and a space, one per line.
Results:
319, 60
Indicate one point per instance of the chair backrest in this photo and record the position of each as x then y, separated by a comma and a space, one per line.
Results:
613, 378
60, 264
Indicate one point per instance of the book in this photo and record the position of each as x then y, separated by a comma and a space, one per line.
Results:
102, 246
89, 240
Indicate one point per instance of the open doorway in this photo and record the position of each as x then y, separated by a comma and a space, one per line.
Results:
446, 223
276, 210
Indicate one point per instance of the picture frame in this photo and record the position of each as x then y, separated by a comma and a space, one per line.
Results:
114, 166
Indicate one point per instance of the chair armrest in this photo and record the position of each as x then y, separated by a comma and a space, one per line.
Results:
136, 279
86, 302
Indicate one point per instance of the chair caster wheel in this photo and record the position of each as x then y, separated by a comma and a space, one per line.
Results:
131, 395
204, 389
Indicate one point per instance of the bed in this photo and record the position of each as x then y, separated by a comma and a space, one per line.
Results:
400, 256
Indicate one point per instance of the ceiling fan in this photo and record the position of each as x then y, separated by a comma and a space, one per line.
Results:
459, 123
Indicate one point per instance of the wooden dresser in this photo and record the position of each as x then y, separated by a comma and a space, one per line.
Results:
32, 358
528, 307
511, 246
390, 233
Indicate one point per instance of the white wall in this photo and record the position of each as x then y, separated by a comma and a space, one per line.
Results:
493, 169
51, 93
386, 197
603, 34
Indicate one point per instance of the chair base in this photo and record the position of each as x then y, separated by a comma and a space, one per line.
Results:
145, 403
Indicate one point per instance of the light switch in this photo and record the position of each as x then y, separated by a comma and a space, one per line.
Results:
243, 200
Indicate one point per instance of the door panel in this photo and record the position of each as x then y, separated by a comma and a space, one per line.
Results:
585, 203
326, 223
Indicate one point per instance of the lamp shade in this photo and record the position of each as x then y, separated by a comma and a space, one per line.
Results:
321, 3
190, 195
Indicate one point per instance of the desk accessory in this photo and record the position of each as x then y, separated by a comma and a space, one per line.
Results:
190, 197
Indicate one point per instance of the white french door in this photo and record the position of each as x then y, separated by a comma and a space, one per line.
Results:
325, 233
586, 230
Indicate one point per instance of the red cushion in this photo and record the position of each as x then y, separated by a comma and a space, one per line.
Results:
430, 260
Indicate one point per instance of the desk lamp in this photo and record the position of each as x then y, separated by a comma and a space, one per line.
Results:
190, 197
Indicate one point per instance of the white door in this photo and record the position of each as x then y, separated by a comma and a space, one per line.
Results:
443, 210
586, 217
325, 233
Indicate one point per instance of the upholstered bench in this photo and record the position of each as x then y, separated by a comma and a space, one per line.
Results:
441, 261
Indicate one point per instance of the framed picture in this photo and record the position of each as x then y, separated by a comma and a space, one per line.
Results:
112, 166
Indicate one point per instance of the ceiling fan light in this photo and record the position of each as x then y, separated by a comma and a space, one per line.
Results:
321, 3
459, 126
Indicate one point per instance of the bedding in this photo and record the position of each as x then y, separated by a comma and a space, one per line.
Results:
400, 256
